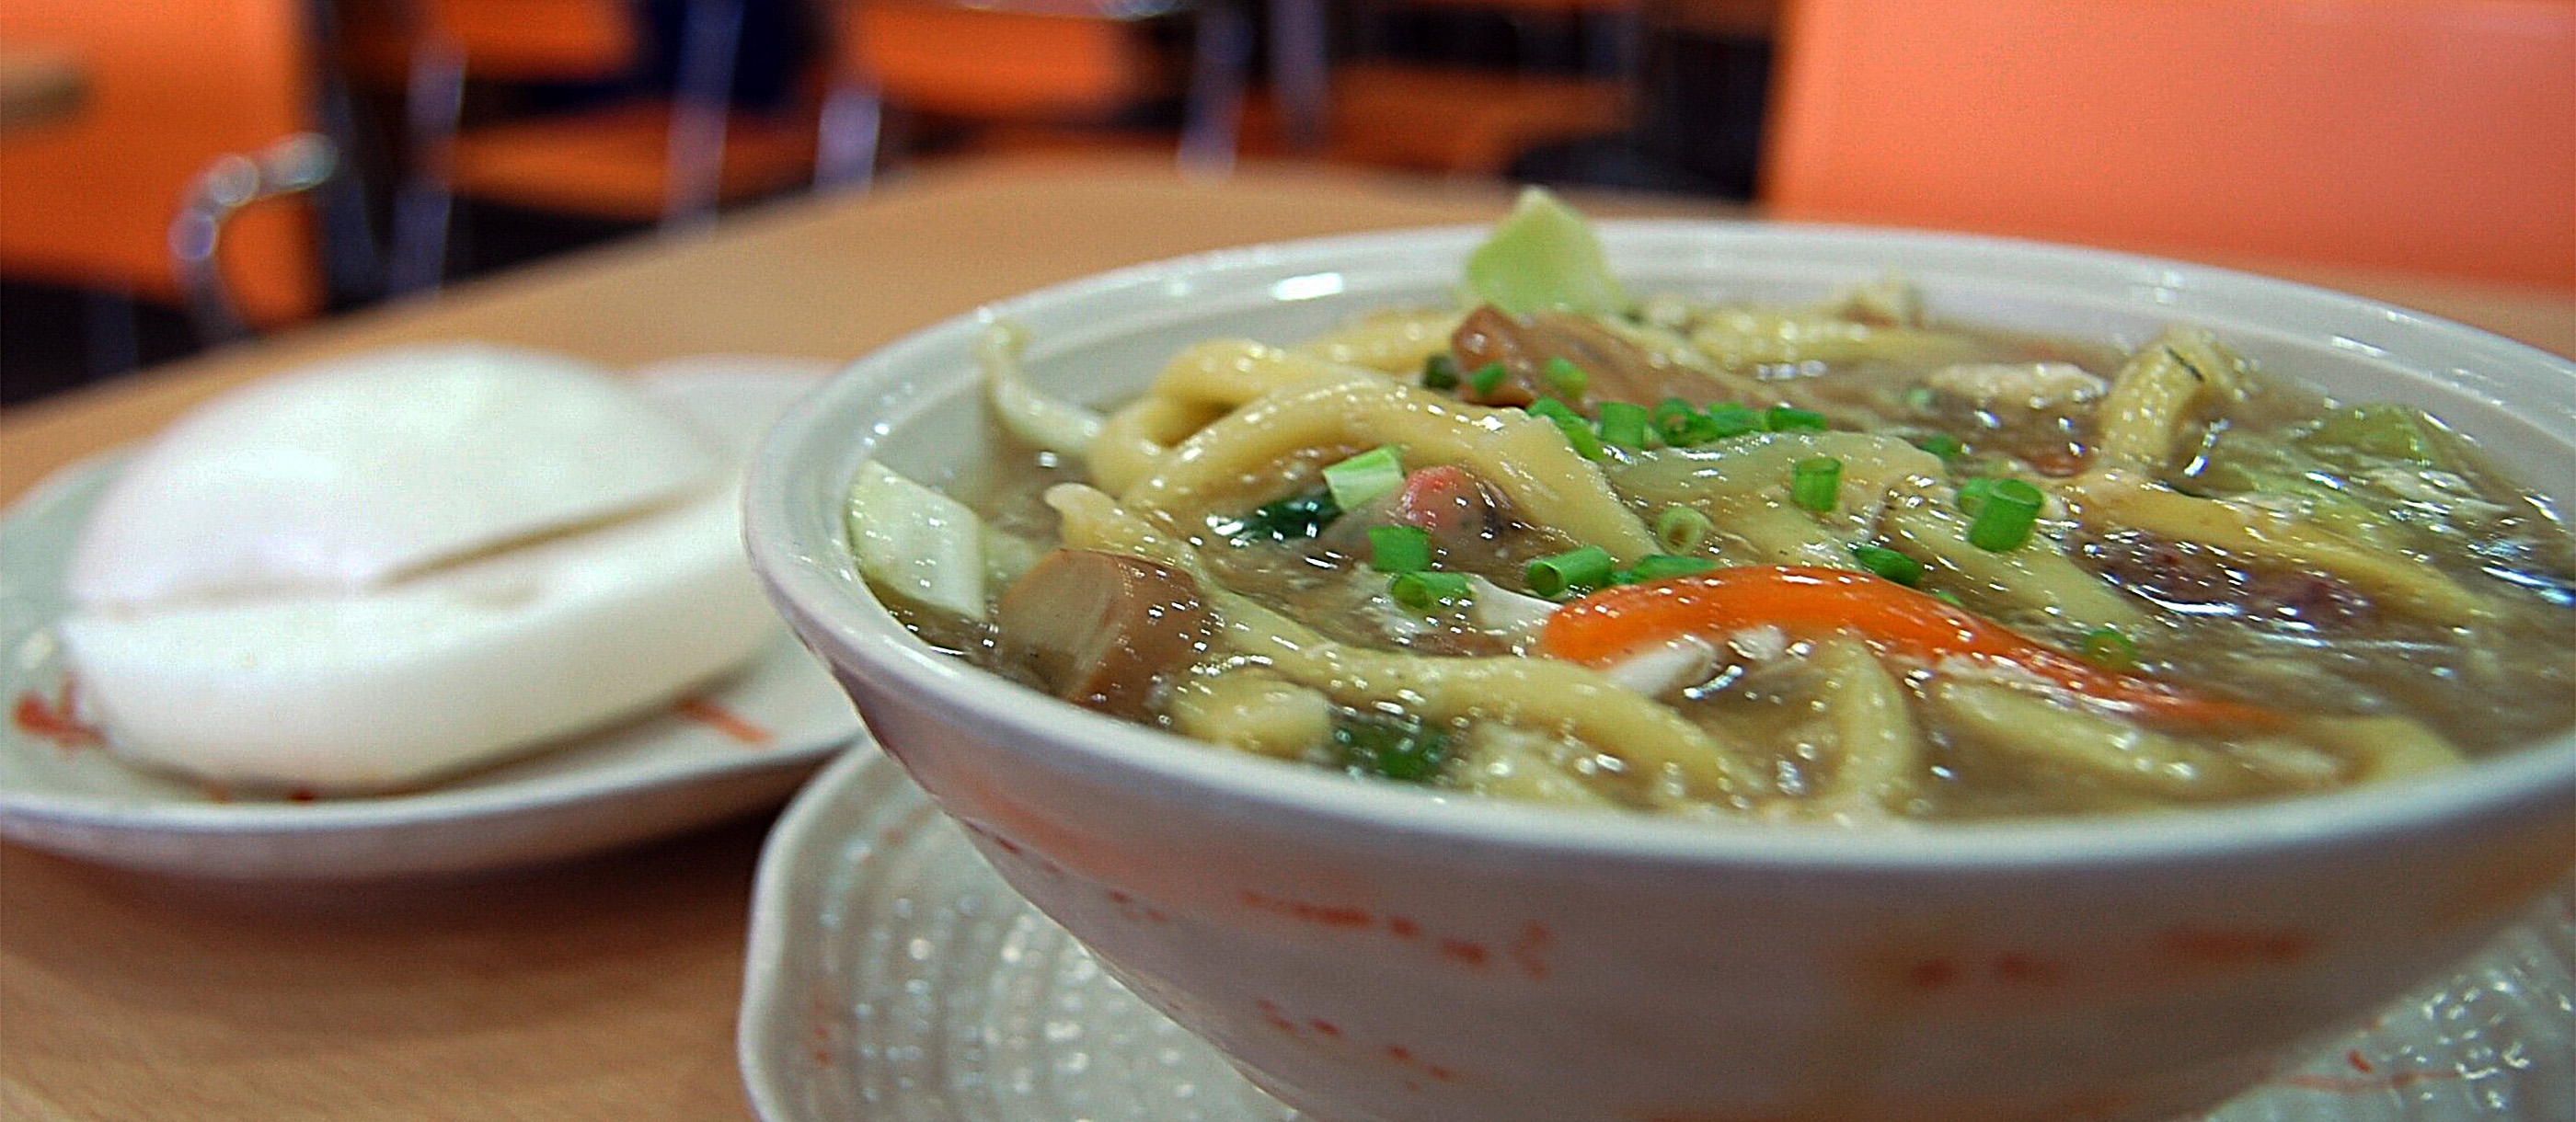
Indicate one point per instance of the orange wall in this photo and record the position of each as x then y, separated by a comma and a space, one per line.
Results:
2433, 135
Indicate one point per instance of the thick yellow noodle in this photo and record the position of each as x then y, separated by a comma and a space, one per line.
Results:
1927, 526
1198, 386
2142, 421
1394, 342
1523, 456
2142, 417
1874, 729
2044, 730
2114, 500
1678, 762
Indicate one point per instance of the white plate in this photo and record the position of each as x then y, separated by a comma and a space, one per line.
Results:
892, 977
734, 745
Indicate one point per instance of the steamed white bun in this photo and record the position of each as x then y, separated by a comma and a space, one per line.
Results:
346, 475
374, 573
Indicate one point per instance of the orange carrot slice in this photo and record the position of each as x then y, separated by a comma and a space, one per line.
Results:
1806, 602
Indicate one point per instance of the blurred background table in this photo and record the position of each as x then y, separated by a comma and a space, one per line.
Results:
606, 990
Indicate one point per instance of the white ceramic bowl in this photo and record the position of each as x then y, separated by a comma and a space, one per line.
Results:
1374, 954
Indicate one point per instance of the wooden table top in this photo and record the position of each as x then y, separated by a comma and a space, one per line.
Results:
604, 989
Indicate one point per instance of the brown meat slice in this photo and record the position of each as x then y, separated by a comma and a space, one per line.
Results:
1101, 629
1616, 368
2198, 581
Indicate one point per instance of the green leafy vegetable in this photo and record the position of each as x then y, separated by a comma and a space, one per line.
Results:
1390, 747
1293, 518
1543, 256
2387, 432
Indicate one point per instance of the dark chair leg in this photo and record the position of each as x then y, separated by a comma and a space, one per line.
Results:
109, 332
1214, 115
1299, 71
851, 128
426, 202
711, 40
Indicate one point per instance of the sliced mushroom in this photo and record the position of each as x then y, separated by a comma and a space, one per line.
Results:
1100, 629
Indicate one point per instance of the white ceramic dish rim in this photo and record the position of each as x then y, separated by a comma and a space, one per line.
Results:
371, 812
775, 898
813, 576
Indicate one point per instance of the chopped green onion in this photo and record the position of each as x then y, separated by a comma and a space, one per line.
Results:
1728, 419
1681, 529
1951, 598
1577, 571
1390, 747
2106, 647
2005, 520
1289, 519
1366, 477
1782, 418
1563, 376
1420, 590
1665, 566
1399, 549
1921, 398
1889, 564
1486, 379
1553, 410
1973, 493
1440, 372
1623, 424
1677, 421
1942, 444
1578, 432
1816, 482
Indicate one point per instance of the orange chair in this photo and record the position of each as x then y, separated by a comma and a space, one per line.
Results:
668, 161
2420, 135
173, 85
1476, 119
1030, 63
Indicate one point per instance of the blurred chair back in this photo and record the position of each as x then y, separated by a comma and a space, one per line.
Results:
671, 161
173, 85
538, 40
2420, 135
994, 63
1025, 61
1475, 118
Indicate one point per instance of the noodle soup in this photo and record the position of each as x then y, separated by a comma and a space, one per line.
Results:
1844, 561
